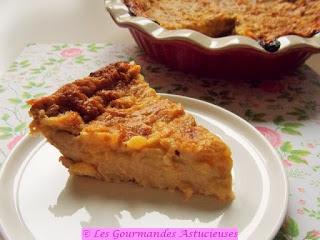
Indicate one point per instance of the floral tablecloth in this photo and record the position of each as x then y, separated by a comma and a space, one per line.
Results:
286, 111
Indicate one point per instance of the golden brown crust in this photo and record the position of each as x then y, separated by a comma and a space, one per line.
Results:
261, 19
88, 96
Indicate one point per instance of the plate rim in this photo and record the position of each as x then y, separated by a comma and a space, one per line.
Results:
276, 226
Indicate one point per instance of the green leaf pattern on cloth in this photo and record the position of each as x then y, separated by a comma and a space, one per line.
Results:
294, 155
286, 111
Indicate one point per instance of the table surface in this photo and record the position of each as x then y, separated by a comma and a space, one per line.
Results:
288, 113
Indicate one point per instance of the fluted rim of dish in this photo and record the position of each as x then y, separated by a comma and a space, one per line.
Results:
121, 15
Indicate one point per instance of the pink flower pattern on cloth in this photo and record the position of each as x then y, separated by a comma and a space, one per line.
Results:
300, 211
14, 141
273, 137
71, 52
315, 233
287, 163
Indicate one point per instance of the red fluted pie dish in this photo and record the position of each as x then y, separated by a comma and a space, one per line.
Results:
232, 56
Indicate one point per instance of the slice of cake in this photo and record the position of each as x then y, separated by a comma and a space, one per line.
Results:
112, 126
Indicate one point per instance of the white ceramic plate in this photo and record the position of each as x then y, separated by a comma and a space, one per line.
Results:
40, 201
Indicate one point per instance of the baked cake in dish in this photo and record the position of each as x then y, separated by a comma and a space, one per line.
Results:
112, 126
260, 19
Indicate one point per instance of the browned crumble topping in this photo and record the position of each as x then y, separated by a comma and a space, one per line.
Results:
260, 19
88, 96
